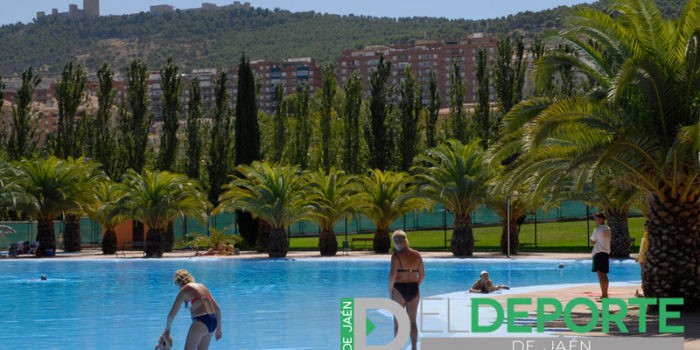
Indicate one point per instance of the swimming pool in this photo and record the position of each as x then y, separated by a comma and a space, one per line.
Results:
266, 304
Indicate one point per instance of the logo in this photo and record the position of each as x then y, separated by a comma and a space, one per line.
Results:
355, 326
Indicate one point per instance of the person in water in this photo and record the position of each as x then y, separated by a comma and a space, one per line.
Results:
405, 277
485, 285
205, 312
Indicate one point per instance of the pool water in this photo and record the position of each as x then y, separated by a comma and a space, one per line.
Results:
266, 304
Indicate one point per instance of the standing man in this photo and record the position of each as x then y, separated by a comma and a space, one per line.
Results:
601, 251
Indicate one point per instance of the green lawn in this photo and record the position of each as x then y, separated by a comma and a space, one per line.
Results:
564, 236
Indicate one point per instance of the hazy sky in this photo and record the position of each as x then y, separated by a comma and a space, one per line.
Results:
25, 10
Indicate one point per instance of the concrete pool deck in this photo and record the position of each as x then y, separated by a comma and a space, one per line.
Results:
691, 321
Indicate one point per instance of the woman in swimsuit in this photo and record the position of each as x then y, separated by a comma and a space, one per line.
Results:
405, 277
205, 312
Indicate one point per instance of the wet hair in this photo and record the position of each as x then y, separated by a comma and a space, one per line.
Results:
399, 237
183, 277
599, 215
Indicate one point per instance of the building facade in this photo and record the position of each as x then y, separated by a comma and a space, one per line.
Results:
291, 73
422, 57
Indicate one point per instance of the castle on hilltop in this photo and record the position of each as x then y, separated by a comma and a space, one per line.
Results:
91, 8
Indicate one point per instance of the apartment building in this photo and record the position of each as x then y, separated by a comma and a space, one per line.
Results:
291, 73
423, 56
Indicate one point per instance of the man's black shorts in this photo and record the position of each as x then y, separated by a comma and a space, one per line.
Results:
601, 262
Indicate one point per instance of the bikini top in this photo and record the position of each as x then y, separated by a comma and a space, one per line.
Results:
195, 299
401, 269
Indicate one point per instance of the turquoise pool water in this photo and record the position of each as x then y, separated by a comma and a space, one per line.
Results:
266, 304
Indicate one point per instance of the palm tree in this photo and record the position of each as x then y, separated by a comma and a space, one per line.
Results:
107, 209
642, 120
512, 206
12, 196
384, 197
53, 185
273, 194
333, 196
456, 176
158, 198
89, 176
616, 197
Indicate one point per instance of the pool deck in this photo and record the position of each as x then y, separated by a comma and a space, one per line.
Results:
691, 321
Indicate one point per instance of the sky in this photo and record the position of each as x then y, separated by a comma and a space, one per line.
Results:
25, 10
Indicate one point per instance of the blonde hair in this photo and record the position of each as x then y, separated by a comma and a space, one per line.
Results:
183, 277
399, 237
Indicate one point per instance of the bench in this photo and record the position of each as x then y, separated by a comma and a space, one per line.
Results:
360, 242
130, 246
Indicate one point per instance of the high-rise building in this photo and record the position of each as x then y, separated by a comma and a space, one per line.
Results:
91, 8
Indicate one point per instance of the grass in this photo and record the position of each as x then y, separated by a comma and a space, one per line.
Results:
560, 236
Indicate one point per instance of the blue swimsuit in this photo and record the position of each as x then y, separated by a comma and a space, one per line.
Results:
209, 320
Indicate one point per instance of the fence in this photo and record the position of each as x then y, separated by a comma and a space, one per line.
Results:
437, 218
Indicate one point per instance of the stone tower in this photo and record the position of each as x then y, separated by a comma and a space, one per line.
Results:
91, 8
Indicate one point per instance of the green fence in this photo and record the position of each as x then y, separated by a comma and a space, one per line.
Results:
437, 218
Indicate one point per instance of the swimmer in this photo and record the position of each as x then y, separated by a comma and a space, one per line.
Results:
43, 277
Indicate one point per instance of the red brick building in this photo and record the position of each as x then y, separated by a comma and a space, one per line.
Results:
422, 57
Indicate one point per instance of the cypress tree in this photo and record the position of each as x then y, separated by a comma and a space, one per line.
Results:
409, 116
247, 130
218, 165
171, 85
376, 129
303, 130
247, 138
280, 125
351, 125
104, 149
458, 116
433, 110
22, 139
69, 138
135, 122
481, 114
138, 120
194, 127
327, 95
509, 72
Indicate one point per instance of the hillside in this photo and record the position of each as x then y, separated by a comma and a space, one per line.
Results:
215, 38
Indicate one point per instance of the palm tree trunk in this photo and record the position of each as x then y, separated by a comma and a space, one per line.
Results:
109, 242
462, 237
169, 238
620, 242
71, 236
154, 243
262, 240
672, 267
327, 242
514, 236
278, 243
381, 243
46, 235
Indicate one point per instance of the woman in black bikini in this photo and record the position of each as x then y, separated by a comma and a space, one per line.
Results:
205, 312
405, 277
